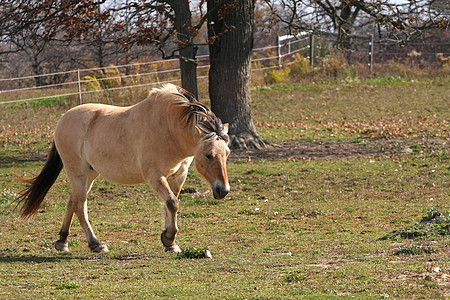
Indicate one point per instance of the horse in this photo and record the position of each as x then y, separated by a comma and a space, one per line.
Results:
154, 142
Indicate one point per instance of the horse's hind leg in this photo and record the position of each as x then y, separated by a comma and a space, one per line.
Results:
93, 242
78, 204
62, 244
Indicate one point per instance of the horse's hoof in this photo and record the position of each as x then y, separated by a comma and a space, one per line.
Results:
174, 249
100, 248
62, 246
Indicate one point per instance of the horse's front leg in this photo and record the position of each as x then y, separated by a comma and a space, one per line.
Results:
161, 186
177, 180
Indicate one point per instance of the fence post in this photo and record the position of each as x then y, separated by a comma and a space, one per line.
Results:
289, 47
279, 51
371, 53
79, 86
311, 49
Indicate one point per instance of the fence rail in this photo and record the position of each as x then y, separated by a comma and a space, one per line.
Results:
82, 81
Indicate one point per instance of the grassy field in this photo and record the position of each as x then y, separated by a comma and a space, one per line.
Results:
290, 228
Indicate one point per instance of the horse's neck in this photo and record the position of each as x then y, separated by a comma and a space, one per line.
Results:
185, 135
187, 141
182, 135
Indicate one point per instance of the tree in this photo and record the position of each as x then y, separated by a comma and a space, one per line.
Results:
157, 22
169, 25
101, 35
33, 30
230, 31
188, 52
395, 20
31, 44
36, 43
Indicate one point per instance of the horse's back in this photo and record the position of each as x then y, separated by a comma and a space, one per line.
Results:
75, 124
97, 136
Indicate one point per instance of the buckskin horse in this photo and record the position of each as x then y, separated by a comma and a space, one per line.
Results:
154, 141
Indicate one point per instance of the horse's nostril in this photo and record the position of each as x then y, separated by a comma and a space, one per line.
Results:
224, 193
220, 192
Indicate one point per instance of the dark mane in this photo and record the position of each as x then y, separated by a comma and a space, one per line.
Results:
193, 112
212, 124
204, 118
191, 98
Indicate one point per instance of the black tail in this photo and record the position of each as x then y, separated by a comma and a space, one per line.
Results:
33, 196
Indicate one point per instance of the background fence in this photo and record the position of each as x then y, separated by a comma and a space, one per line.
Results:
87, 84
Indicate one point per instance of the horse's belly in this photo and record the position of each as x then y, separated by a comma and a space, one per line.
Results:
117, 166
119, 174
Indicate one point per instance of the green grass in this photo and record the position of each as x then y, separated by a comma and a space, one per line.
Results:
428, 226
414, 250
289, 229
373, 108
66, 286
192, 253
46, 102
316, 234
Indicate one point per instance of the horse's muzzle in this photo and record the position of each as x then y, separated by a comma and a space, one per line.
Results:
220, 190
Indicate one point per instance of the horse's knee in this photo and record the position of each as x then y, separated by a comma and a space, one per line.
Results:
172, 205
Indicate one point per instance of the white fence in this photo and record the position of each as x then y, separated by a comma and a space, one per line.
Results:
82, 82
77, 83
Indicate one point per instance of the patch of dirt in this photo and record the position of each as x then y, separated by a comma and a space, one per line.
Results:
299, 150
329, 150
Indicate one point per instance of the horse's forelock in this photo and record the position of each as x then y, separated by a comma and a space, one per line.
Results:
213, 127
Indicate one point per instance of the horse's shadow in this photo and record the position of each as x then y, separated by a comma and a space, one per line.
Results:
38, 259
63, 257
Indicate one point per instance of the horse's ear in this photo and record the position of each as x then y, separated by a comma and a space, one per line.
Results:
225, 128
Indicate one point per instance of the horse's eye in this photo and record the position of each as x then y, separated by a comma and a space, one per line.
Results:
208, 156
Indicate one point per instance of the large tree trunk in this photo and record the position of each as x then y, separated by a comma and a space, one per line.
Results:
189, 70
188, 52
230, 30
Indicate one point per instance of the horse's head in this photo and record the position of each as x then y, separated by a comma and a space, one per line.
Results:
211, 160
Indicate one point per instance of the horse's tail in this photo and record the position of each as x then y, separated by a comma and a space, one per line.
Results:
33, 196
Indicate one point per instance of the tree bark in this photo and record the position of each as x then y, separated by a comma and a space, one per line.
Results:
188, 52
230, 31
188, 69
